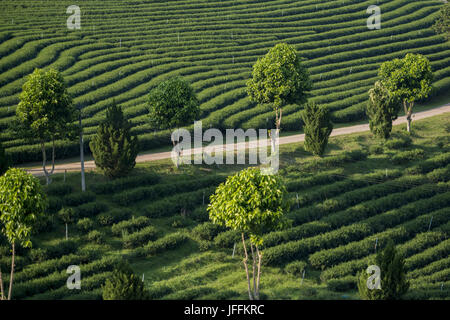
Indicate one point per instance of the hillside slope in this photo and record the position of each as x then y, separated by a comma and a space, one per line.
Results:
125, 48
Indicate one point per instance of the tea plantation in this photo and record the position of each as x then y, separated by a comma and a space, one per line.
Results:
344, 208
125, 48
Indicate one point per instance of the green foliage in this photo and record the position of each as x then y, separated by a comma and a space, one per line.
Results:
409, 155
279, 78
96, 237
295, 268
408, 79
393, 276
67, 215
251, 203
318, 128
4, 160
85, 224
113, 147
382, 110
172, 104
442, 24
22, 202
45, 111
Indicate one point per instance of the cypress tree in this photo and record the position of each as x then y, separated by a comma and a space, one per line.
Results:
392, 274
113, 147
382, 109
318, 128
124, 285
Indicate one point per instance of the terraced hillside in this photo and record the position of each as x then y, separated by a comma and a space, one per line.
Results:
125, 48
344, 208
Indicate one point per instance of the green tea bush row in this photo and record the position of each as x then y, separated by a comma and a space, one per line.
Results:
78, 198
405, 156
130, 226
114, 216
90, 209
58, 279
150, 193
419, 243
124, 183
178, 203
139, 238
168, 242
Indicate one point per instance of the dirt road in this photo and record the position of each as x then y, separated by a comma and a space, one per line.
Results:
239, 146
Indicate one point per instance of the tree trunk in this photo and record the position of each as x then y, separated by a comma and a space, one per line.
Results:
408, 113
259, 271
254, 272
67, 232
246, 269
11, 278
44, 161
2, 292
83, 181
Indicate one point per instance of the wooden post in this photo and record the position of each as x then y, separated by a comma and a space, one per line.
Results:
234, 250
429, 226
83, 181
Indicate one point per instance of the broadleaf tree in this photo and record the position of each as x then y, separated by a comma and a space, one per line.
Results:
382, 109
393, 283
46, 112
442, 24
173, 104
251, 203
408, 79
22, 202
113, 147
318, 127
279, 78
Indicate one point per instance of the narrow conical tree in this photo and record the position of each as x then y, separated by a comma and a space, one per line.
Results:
382, 109
124, 285
113, 147
392, 275
318, 128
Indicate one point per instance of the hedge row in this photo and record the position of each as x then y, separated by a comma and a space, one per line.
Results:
410, 155
58, 279
114, 216
430, 164
49, 266
176, 204
426, 257
130, 226
139, 238
419, 243
329, 257
320, 178
168, 242
299, 249
78, 198
124, 183
90, 209
151, 193
430, 269
351, 215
